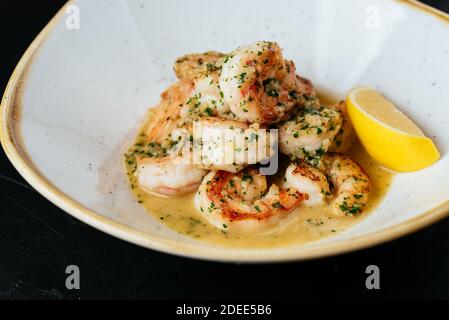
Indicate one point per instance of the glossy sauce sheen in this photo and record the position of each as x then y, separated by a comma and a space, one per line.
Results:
303, 224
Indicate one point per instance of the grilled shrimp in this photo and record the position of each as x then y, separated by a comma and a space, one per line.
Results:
350, 184
342, 182
160, 166
207, 99
166, 117
345, 136
231, 145
187, 67
203, 70
309, 133
241, 201
258, 84
168, 175
310, 180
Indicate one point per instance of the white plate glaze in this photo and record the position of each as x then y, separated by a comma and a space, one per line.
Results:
76, 97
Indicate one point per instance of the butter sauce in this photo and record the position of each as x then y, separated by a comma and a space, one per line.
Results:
302, 225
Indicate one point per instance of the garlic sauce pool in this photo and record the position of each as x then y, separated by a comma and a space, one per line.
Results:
303, 224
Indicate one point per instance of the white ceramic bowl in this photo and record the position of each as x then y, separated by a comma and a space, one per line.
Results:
77, 94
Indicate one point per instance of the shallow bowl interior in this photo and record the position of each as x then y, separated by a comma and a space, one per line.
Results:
78, 95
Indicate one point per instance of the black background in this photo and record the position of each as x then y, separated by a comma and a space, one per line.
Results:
38, 240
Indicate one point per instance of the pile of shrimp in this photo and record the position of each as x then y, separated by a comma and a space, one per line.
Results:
248, 92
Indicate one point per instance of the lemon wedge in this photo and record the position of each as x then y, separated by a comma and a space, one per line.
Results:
387, 134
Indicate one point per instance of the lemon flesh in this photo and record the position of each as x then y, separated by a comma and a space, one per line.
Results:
387, 134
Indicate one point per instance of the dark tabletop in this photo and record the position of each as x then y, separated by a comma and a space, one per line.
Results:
38, 240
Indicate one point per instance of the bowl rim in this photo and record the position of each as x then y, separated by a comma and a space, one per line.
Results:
17, 154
